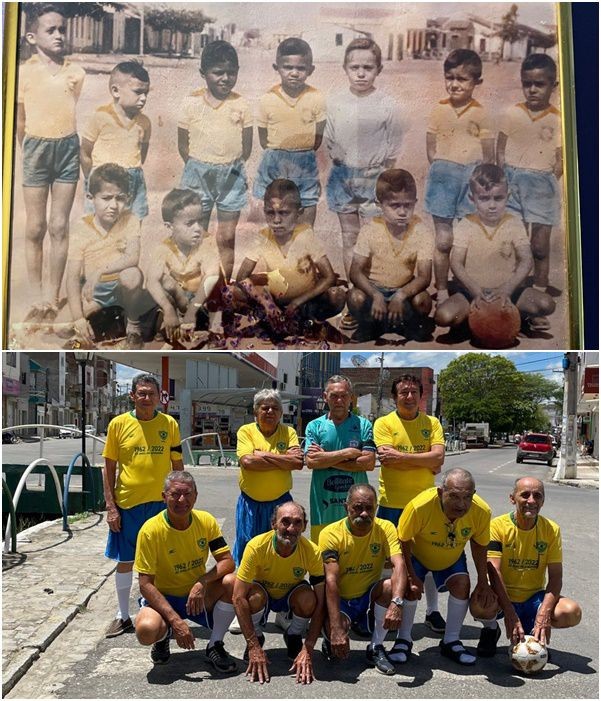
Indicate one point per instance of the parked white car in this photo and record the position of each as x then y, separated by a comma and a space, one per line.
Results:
67, 431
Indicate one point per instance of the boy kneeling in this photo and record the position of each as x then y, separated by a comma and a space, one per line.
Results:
392, 265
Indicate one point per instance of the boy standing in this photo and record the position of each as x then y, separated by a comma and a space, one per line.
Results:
119, 133
491, 255
392, 265
49, 87
214, 139
363, 137
458, 137
291, 124
185, 266
529, 147
103, 257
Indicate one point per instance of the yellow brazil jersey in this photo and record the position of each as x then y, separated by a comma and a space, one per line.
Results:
524, 554
265, 485
177, 558
392, 261
144, 451
190, 270
49, 97
437, 543
261, 563
291, 121
360, 558
398, 487
460, 132
532, 137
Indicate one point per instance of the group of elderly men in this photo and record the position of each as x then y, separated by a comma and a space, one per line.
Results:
338, 580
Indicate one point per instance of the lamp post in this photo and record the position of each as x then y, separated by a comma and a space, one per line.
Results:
319, 405
83, 358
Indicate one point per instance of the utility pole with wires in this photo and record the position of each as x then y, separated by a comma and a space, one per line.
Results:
566, 467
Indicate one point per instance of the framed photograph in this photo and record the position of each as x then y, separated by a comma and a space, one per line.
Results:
298, 175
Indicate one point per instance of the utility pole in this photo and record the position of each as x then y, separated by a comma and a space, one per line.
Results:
380, 386
566, 467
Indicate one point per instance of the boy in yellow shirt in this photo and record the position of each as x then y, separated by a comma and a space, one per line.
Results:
49, 87
214, 138
119, 132
292, 119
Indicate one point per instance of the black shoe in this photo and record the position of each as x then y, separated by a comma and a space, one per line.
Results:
435, 622
219, 658
294, 644
159, 652
454, 650
261, 639
487, 646
360, 631
378, 658
326, 649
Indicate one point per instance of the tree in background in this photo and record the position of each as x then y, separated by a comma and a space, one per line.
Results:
509, 29
164, 17
478, 387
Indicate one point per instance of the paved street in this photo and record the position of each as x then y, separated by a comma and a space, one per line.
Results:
80, 663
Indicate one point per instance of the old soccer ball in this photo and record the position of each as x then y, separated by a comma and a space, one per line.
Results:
494, 324
529, 656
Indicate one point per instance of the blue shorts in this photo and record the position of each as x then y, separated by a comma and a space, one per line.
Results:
351, 190
281, 605
220, 185
527, 610
447, 189
390, 514
108, 294
441, 576
178, 604
359, 610
47, 161
122, 546
138, 194
253, 518
298, 166
534, 195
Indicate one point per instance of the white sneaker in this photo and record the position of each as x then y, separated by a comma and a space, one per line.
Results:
282, 621
234, 628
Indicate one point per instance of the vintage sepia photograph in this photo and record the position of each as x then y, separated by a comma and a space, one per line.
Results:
296, 175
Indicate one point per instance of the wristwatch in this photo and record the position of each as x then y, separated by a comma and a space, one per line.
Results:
397, 601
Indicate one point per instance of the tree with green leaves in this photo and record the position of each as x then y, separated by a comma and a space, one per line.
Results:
164, 17
509, 28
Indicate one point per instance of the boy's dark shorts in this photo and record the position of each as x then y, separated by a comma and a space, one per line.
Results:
47, 161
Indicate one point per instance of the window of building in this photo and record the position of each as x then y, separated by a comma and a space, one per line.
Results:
11, 359
338, 39
285, 378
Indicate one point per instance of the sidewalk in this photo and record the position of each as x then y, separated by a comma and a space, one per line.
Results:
587, 473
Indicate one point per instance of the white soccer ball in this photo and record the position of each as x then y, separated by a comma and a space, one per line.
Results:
529, 656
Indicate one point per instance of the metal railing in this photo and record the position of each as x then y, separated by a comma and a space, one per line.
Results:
188, 447
85, 465
42, 435
13, 517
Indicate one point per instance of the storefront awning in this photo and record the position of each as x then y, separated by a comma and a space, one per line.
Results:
237, 397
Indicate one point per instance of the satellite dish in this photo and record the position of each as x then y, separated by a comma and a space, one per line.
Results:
358, 360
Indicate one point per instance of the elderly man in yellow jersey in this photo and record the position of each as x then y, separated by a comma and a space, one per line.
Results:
171, 558
434, 529
524, 547
146, 445
354, 551
271, 577
411, 450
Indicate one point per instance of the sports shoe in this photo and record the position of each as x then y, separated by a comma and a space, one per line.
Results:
219, 658
294, 644
435, 622
234, 628
282, 621
487, 646
261, 639
378, 658
134, 340
539, 323
118, 626
159, 652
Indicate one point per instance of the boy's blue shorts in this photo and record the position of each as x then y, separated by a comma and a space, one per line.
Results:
350, 190
220, 185
534, 195
138, 194
108, 294
390, 514
298, 166
253, 518
281, 605
441, 576
527, 610
178, 604
47, 161
447, 189
122, 546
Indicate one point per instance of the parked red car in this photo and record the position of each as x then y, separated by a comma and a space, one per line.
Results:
536, 446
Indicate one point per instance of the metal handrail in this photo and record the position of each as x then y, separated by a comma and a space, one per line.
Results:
201, 435
13, 516
44, 426
21, 484
85, 465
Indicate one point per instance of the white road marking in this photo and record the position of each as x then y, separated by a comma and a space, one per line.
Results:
509, 462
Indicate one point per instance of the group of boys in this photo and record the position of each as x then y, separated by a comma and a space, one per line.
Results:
420, 530
475, 177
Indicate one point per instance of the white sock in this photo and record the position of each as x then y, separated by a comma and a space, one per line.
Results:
123, 581
256, 619
133, 326
540, 288
492, 623
456, 611
223, 615
298, 625
431, 593
379, 633
409, 610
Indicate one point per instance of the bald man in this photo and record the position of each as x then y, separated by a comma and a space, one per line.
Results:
524, 550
